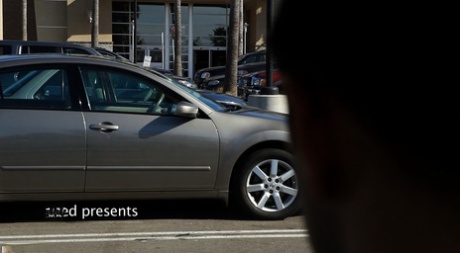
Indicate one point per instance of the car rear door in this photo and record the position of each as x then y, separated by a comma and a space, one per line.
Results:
136, 143
42, 139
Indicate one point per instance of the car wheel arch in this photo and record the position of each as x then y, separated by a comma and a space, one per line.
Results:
241, 148
274, 144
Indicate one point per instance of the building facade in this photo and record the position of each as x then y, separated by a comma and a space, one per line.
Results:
139, 28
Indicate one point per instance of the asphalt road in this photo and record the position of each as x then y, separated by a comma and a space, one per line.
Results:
154, 226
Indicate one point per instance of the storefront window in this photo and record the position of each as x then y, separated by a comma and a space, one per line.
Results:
152, 28
210, 25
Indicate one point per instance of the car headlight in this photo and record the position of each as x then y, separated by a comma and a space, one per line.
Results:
256, 81
213, 82
188, 84
205, 75
243, 82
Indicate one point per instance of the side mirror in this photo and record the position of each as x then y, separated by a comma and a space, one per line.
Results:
186, 109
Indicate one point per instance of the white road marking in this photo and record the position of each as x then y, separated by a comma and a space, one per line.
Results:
143, 236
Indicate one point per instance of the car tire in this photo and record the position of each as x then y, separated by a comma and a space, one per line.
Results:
263, 194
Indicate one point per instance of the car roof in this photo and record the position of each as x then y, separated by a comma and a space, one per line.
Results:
263, 51
39, 43
19, 43
52, 58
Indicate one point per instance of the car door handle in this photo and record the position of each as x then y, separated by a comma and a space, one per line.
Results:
104, 127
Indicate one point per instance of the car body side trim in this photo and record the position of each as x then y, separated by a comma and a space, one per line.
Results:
156, 168
103, 168
66, 168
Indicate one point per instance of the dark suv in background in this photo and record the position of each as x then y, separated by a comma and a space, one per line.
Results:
255, 60
216, 81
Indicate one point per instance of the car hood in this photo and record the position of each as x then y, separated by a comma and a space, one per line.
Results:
241, 66
260, 113
211, 69
222, 97
216, 77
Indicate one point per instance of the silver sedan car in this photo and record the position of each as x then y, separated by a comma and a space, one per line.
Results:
86, 128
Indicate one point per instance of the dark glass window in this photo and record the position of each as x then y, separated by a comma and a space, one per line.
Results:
122, 92
4, 50
210, 25
39, 49
35, 89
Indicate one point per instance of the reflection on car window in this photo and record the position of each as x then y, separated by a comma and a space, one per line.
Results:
35, 89
108, 90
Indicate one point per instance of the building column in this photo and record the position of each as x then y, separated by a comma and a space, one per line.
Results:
1, 19
190, 67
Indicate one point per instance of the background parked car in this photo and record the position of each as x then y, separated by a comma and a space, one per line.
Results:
213, 83
252, 83
255, 57
217, 81
124, 132
8, 47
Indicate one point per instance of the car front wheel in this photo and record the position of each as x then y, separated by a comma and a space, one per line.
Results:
266, 185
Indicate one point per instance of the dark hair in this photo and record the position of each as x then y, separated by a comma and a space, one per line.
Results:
391, 66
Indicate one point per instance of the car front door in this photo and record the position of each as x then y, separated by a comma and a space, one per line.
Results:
42, 139
136, 143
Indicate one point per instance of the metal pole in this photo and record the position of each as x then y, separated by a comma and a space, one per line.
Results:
163, 54
245, 34
135, 31
268, 49
269, 89
131, 42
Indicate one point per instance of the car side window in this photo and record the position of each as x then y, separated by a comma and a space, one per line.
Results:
35, 88
259, 57
39, 49
125, 92
5, 50
250, 59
